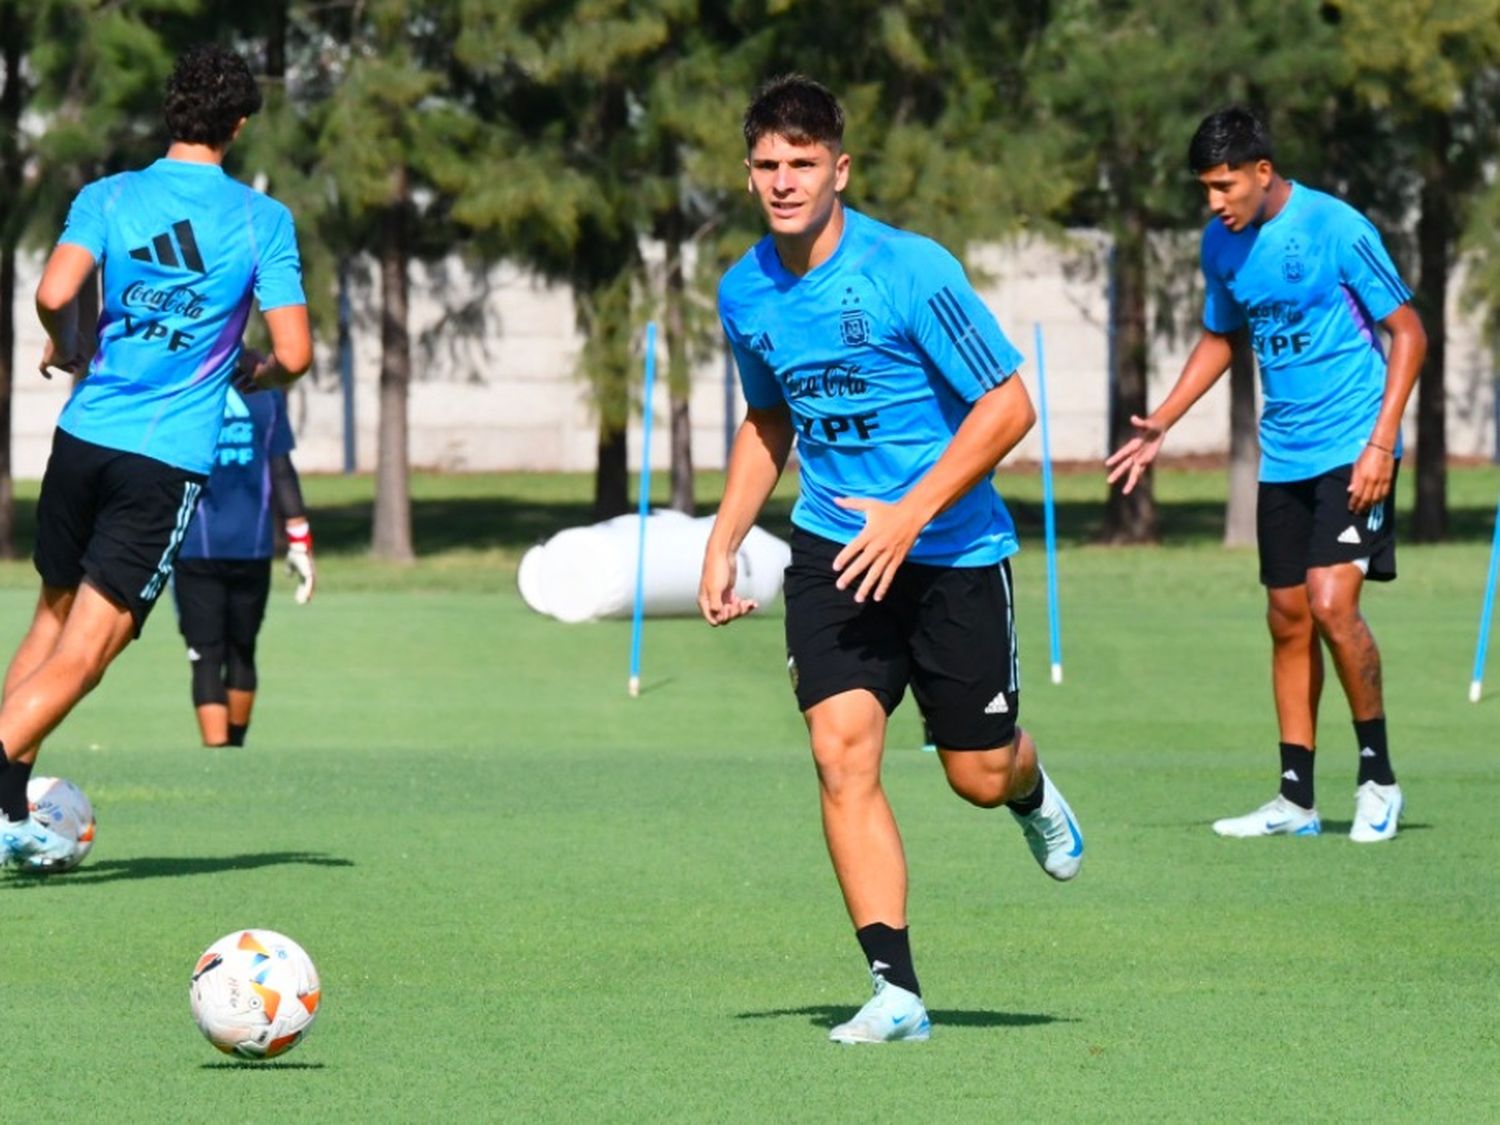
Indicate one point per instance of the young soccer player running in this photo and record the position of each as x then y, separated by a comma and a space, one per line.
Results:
223, 575
1310, 277
867, 346
183, 249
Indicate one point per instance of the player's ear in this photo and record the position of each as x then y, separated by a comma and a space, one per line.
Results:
749, 178
841, 171
1265, 172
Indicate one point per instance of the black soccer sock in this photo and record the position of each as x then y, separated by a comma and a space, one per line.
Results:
888, 952
1025, 806
1297, 774
13, 779
237, 732
1374, 754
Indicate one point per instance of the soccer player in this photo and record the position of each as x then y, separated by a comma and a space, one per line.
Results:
868, 348
1309, 276
223, 575
183, 249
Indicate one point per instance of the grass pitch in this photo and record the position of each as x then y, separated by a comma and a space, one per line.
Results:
532, 898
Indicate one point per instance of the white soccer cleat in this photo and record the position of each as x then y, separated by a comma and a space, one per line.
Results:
1377, 809
892, 1015
1052, 833
33, 846
1277, 818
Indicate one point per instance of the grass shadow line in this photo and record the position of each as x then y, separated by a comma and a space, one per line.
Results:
173, 867
830, 1015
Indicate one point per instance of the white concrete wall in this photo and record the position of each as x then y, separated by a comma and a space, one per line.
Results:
509, 398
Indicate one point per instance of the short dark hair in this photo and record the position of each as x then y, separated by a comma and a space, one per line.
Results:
797, 108
1232, 136
208, 91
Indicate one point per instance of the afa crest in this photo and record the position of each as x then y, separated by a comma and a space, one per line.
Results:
854, 327
1291, 269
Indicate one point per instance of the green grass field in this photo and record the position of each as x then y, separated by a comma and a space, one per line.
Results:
532, 898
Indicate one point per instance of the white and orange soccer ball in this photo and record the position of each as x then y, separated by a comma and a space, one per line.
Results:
255, 993
60, 805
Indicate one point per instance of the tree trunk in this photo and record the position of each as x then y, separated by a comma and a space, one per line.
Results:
12, 47
679, 378
1244, 446
392, 531
612, 476
1434, 240
1129, 518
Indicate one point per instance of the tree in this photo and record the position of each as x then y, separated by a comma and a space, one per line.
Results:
1126, 82
1430, 74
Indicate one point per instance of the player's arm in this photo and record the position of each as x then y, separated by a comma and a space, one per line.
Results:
291, 348
761, 447
996, 422
69, 267
1375, 468
286, 493
1205, 366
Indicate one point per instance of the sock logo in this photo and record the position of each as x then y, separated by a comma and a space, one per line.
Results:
1290, 775
181, 254
1367, 752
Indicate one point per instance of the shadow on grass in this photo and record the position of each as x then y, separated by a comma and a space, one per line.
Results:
1341, 827
168, 867
249, 1064
830, 1015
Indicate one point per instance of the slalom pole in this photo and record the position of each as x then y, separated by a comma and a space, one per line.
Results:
1476, 685
644, 509
1049, 513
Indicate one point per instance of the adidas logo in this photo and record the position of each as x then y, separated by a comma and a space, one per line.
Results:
1350, 534
878, 966
998, 706
762, 343
194, 655
1290, 775
181, 254
1367, 752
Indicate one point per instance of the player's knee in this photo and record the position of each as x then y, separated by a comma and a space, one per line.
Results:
208, 675
239, 667
1333, 616
1288, 623
847, 763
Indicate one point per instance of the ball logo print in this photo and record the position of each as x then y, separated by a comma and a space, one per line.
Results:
254, 993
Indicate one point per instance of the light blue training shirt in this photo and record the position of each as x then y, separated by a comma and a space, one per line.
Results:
879, 353
183, 248
1312, 282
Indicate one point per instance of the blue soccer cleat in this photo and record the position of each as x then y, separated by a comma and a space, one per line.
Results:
33, 846
892, 1015
1275, 818
1052, 832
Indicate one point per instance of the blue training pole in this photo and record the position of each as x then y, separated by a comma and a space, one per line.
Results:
1049, 512
1476, 685
644, 511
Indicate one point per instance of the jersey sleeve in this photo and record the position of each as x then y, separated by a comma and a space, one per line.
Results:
282, 441
1221, 313
757, 378
85, 225
952, 327
278, 273
1366, 268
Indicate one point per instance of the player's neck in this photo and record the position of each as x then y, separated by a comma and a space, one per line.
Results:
802, 253
191, 153
1276, 196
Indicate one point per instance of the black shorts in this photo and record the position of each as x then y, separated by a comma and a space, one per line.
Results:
1303, 524
116, 518
948, 631
221, 601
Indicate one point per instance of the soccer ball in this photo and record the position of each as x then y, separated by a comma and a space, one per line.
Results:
60, 805
254, 993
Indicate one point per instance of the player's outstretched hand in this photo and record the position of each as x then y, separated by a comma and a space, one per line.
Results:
299, 559
717, 600
872, 557
1133, 458
1370, 481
